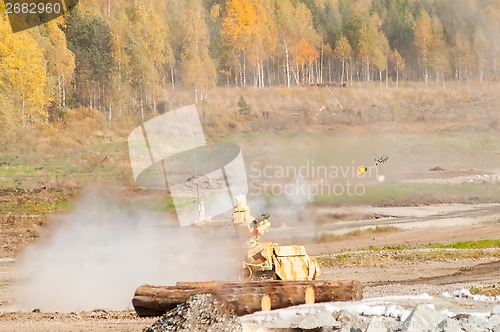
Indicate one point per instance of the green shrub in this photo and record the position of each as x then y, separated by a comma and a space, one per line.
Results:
245, 109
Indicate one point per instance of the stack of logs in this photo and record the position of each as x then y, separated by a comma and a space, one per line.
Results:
245, 297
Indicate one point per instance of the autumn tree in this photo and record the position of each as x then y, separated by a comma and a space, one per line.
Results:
373, 47
439, 53
238, 27
399, 63
480, 50
191, 44
23, 75
60, 64
143, 54
343, 52
263, 40
328, 23
458, 17
296, 26
306, 54
462, 56
423, 40
284, 12
491, 25
304, 30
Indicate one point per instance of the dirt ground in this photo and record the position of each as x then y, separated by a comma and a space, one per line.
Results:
388, 277
416, 220
415, 277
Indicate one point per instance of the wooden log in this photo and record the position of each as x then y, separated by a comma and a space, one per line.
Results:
246, 297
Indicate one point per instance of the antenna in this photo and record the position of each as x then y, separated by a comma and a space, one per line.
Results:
201, 205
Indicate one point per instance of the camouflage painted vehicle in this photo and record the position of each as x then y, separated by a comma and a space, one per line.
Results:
269, 260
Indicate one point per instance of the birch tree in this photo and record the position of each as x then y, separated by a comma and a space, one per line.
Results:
191, 44
480, 47
238, 27
23, 75
423, 40
462, 56
343, 52
60, 63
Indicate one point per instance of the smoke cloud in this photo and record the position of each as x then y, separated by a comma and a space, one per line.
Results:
97, 255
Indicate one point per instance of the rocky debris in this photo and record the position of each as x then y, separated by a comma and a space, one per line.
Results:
381, 315
201, 313
436, 169
201, 185
380, 324
465, 293
202, 182
424, 318
484, 179
99, 314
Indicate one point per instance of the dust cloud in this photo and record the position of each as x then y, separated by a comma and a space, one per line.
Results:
95, 256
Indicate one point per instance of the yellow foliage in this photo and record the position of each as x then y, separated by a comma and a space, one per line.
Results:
23, 74
398, 60
196, 65
306, 53
423, 35
63, 60
343, 49
239, 23
297, 26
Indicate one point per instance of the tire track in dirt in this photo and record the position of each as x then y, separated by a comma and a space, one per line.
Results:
482, 272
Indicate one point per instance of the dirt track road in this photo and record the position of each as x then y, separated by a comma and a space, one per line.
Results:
346, 219
482, 273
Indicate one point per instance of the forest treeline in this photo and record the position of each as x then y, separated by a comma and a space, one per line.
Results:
121, 56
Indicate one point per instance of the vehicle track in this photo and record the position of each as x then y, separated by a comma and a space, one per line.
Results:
480, 273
